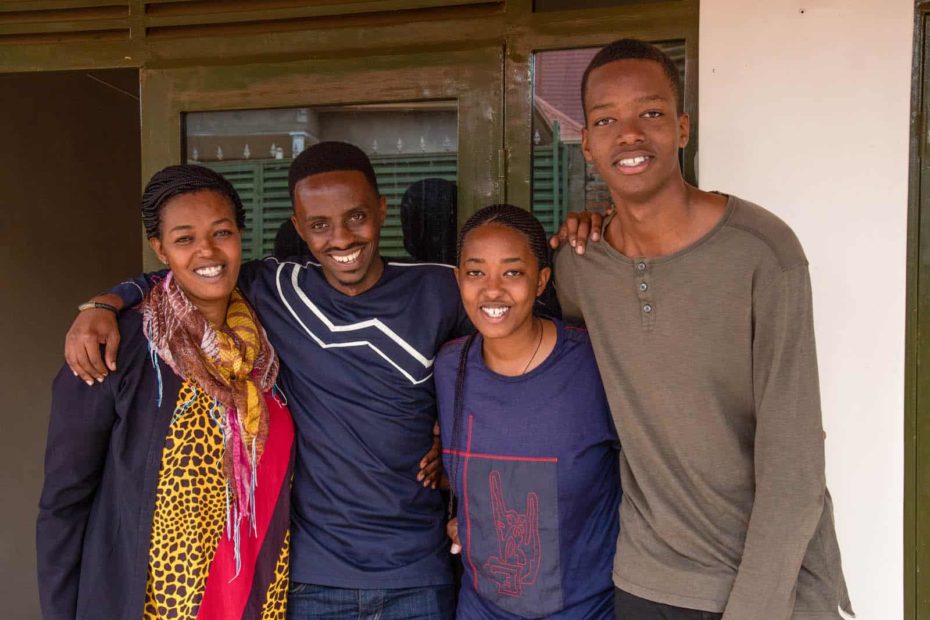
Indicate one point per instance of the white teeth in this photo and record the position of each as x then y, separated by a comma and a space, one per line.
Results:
348, 258
209, 272
495, 312
633, 161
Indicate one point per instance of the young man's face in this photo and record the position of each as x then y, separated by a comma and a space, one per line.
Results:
633, 130
340, 216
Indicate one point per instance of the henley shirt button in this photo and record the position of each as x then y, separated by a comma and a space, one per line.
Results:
643, 286
647, 308
641, 266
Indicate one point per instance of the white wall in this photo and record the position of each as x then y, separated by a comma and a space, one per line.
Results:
804, 109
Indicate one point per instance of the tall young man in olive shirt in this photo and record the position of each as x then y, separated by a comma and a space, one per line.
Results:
699, 308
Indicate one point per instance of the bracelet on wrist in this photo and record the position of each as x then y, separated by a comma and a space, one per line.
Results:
90, 305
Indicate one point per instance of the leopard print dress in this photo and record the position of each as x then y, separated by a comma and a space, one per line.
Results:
193, 571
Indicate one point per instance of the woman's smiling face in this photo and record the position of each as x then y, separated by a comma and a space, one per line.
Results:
499, 279
201, 244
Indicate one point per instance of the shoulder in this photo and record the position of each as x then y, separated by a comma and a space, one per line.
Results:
132, 338
577, 341
434, 280
432, 271
447, 359
564, 258
769, 230
451, 350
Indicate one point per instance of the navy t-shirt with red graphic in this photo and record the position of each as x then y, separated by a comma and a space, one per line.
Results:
534, 465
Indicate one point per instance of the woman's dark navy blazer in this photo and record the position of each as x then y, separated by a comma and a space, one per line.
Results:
102, 462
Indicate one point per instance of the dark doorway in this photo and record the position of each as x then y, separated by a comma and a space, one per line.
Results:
69, 227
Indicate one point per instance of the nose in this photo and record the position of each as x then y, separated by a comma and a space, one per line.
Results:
341, 237
492, 285
207, 246
630, 131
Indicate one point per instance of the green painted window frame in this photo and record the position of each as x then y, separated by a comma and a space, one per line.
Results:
917, 339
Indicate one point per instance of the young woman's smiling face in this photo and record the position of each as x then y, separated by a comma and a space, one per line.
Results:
201, 244
499, 279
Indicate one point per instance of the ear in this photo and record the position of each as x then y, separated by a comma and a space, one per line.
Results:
542, 280
684, 129
382, 210
457, 273
584, 145
155, 244
297, 227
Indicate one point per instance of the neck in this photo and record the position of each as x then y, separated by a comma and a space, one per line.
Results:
664, 222
515, 354
214, 312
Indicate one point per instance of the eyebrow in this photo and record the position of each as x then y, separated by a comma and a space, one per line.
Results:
515, 259
357, 207
188, 226
643, 99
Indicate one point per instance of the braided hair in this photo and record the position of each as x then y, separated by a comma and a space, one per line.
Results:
175, 181
525, 223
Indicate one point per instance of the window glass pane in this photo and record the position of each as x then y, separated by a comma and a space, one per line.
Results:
562, 180
408, 143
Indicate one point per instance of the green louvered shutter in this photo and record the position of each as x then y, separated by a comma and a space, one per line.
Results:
543, 196
262, 186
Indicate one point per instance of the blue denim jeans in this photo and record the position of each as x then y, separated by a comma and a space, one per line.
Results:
310, 602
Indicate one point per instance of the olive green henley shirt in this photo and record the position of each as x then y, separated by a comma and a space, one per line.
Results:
709, 364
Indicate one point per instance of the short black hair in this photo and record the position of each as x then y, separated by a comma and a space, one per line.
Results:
634, 49
330, 157
175, 181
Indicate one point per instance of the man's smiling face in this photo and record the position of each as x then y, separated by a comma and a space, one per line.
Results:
633, 129
340, 216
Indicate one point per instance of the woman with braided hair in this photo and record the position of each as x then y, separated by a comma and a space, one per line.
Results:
531, 450
167, 487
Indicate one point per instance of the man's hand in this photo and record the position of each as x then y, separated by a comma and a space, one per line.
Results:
431, 473
452, 531
90, 329
577, 229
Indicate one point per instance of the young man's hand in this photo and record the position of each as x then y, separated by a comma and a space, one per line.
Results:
90, 329
431, 473
577, 229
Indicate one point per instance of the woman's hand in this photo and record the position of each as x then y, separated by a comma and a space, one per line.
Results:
452, 531
578, 228
431, 473
90, 329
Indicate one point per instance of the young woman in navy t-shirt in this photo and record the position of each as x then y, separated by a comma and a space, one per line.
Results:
531, 450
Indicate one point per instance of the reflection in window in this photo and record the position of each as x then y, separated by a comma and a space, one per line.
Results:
562, 180
407, 143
